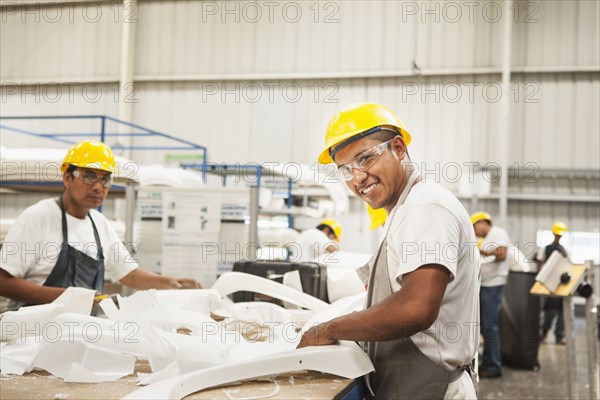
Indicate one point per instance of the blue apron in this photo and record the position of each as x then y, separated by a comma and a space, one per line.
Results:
75, 268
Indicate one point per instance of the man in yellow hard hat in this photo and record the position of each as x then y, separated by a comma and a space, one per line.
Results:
425, 275
317, 241
553, 309
495, 266
62, 242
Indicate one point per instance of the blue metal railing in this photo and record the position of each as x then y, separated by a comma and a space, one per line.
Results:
102, 134
225, 169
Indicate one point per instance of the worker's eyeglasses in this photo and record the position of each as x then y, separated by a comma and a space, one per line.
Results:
90, 178
363, 161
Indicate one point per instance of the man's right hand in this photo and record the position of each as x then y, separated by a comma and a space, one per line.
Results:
319, 335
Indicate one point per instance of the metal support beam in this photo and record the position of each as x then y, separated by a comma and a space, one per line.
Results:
253, 229
296, 76
571, 355
504, 117
591, 316
126, 80
130, 204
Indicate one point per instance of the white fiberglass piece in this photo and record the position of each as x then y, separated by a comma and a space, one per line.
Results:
16, 325
346, 360
341, 307
232, 282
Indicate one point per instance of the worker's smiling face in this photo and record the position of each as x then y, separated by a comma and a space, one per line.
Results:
381, 184
87, 187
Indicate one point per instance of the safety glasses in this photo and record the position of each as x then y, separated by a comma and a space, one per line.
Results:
363, 161
90, 177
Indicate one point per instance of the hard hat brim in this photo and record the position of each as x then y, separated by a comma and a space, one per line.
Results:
325, 156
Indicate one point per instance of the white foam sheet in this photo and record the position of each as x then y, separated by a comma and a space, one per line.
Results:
130, 338
232, 282
168, 310
81, 361
169, 371
258, 312
31, 320
343, 282
82, 348
344, 259
345, 359
17, 358
341, 307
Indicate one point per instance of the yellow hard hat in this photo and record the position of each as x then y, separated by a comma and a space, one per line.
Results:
90, 154
479, 216
559, 228
378, 217
356, 119
335, 227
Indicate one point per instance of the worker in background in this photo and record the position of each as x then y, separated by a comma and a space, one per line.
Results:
321, 240
425, 275
494, 274
62, 242
553, 308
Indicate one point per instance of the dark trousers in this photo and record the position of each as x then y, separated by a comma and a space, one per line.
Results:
490, 299
551, 313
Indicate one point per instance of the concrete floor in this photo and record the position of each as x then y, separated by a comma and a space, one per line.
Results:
550, 381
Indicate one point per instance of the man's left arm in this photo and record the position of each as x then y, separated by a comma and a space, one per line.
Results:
497, 248
143, 279
498, 252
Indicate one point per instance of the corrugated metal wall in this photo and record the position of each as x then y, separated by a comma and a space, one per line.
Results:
257, 81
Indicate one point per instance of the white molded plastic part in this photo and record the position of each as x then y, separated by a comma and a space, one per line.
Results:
232, 282
346, 360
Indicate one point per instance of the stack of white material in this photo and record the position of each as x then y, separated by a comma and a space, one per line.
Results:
43, 166
157, 175
306, 175
222, 341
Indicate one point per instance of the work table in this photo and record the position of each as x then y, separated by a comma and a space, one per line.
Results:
294, 385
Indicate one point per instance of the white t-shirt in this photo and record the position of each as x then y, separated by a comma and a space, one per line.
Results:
432, 227
312, 243
495, 273
32, 245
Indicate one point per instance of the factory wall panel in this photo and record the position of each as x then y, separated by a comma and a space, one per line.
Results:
205, 37
552, 121
259, 121
452, 119
553, 33
288, 37
56, 42
312, 37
